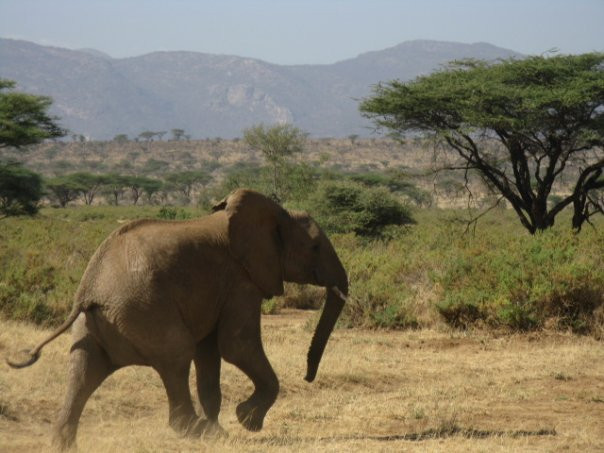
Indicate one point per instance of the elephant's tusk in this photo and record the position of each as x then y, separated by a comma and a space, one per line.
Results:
339, 293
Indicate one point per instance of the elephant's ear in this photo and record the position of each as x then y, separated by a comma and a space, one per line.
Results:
220, 205
254, 237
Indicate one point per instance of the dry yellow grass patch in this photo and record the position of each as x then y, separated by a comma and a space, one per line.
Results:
375, 391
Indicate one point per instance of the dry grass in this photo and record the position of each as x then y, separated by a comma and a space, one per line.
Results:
376, 391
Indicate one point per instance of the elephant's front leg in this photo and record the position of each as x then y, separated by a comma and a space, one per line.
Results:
240, 344
207, 367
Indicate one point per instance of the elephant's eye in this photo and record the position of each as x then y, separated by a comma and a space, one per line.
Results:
315, 248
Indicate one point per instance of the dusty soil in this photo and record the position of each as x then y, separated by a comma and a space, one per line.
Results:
376, 391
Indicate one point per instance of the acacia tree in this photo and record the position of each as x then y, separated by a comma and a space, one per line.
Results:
185, 181
114, 186
178, 134
64, 189
141, 184
121, 138
546, 113
24, 119
276, 143
20, 190
151, 187
89, 183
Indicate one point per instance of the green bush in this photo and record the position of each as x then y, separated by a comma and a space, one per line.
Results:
380, 275
524, 282
297, 181
343, 207
396, 182
42, 259
430, 274
20, 190
167, 213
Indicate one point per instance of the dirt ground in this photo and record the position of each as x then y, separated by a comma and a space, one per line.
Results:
376, 391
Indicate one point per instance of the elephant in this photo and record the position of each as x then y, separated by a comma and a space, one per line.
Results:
167, 293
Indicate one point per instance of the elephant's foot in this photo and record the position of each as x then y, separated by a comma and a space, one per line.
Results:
197, 427
189, 426
212, 429
63, 438
250, 416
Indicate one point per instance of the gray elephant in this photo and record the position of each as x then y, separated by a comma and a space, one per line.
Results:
165, 293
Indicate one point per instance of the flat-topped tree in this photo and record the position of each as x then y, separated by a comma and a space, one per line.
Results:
547, 113
178, 134
24, 118
184, 181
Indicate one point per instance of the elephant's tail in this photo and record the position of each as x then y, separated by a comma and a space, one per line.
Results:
34, 354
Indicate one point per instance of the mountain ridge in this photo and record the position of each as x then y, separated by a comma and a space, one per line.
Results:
212, 95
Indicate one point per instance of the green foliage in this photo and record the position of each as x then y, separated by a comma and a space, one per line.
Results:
178, 134
342, 207
20, 190
114, 186
89, 184
167, 213
184, 181
155, 166
150, 187
147, 135
396, 182
42, 259
24, 119
299, 181
141, 184
28, 281
544, 112
121, 138
522, 282
269, 307
430, 273
277, 143
64, 189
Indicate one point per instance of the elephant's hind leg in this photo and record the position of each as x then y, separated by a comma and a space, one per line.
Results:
182, 416
89, 366
207, 365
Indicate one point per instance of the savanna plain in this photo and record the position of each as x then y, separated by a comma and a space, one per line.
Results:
418, 390
456, 337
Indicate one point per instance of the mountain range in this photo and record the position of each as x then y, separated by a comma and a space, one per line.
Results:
216, 95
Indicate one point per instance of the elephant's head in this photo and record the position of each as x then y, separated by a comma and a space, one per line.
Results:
275, 245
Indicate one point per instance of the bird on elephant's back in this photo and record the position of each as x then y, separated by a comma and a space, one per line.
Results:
168, 293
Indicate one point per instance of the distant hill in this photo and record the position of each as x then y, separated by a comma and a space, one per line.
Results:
215, 95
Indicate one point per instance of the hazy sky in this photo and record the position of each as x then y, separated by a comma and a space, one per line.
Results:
302, 31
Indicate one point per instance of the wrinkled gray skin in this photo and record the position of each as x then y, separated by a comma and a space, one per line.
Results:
163, 294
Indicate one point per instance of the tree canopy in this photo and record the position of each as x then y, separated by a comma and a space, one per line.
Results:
184, 181
64, 189
20, 190
24, 118
546, 115
276, 143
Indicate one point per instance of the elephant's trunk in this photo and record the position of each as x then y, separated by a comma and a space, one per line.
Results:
334, 303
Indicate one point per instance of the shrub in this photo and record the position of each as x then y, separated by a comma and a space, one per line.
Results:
525, 282
430, 273
303, 297
383, 283
342, 207
167, 213
20, 190
396, 182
